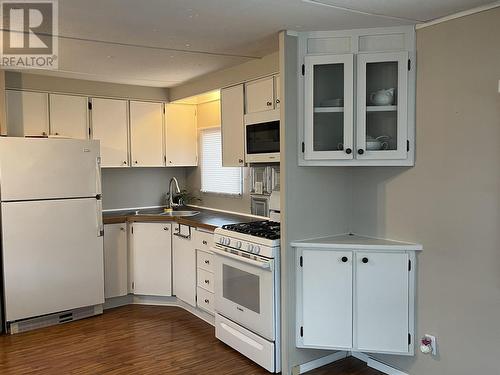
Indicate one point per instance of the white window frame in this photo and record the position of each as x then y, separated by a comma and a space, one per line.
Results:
202, 132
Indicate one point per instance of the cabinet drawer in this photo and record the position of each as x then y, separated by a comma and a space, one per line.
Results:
205, 300
203, 240
205, 260
205, 280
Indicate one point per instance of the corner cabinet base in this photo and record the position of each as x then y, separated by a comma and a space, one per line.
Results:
356, 298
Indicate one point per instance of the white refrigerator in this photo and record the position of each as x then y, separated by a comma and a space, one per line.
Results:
51, 223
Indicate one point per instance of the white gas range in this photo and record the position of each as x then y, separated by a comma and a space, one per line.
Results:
247, 290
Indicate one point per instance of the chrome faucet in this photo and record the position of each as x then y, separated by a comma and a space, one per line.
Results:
171, 203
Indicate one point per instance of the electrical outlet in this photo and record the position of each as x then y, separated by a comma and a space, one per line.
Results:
433, 344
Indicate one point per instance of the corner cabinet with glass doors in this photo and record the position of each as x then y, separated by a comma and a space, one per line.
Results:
357, 97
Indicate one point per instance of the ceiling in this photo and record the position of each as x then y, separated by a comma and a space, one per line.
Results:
165, 43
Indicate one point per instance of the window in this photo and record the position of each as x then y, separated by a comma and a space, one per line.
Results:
214, 177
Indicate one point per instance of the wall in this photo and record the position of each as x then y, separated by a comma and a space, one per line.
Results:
28, 81
315, 202
208, 116
450, 200
137, 187
227, 77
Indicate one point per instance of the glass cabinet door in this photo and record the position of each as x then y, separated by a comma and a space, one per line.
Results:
382, 85
328, 132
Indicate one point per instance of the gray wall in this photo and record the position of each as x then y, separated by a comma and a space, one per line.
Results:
450, 201
137, 187
28, 81
315, 202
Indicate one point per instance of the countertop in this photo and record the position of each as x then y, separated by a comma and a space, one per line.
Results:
356, 242
206, 219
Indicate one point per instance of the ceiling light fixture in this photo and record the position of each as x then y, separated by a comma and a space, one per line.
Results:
327, 3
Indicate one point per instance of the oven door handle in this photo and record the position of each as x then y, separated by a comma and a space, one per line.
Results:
261, 264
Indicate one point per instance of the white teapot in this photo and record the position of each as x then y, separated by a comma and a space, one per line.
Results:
382, 97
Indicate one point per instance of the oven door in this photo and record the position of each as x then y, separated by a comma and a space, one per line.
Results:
244, 291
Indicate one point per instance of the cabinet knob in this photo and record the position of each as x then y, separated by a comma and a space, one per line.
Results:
207, 301
170, 161
278, 101
166, 228
344, 259
136, 162
361, 151
207, 261
364, 260
44, 134
204, 242
207, 281
124, 162
122, 229
348, 151
240, 161
269, 104
57, 134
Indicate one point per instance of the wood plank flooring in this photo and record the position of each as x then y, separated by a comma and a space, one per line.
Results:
136, 340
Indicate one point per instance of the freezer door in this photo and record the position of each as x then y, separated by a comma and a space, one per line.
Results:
48, 168
52, 256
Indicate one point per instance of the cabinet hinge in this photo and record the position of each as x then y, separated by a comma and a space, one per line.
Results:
132, 230
409, 64
90, 133
165, 159
301, 331
164, 105
407, 145
133, 285
409, 265
303, 70
409, 338
90, 106
301, 261
303, 147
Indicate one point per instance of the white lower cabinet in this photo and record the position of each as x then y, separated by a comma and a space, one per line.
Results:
184, 264
151, 255
115, 260
203, 240
355, 300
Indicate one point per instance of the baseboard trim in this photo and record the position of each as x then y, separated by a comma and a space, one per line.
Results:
377, 365
158, 301
320, 362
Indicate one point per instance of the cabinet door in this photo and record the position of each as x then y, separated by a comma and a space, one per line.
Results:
152, 259
184, 266
325, 299
146, 134
277, 91
381, 303
259, 95
115, 260
382, 89
69, 116
110, 126
233, 127
181, 135
27, 113
328, 108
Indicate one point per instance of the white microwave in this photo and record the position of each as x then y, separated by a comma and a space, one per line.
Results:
262, 138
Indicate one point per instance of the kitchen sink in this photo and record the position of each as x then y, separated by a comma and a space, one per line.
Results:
161, 212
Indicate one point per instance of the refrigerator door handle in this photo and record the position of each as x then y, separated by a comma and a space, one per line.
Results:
98, 176
100, 224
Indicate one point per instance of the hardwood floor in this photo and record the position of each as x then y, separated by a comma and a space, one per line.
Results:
135, 340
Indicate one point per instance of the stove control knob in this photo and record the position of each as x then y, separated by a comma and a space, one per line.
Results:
228, 241
221, 240
250, 248
238, 244
256, 249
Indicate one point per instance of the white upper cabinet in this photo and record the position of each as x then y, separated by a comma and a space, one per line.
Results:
110, 126
146, 134
27, 113
382, 105
259, 95
232, 126
328, 107
357, 91
69, 116
181, 135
